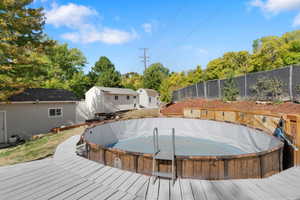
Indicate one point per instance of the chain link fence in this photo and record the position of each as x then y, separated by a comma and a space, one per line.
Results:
213, 89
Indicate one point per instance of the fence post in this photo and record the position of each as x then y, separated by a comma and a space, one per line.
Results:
219, 88
246, 87
297, 141
291, 82
196, 89
205, 92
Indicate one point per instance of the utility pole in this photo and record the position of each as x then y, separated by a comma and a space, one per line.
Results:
145, 58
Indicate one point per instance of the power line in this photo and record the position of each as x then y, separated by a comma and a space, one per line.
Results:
145, 58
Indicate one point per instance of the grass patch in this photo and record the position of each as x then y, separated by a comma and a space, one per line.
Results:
36, 149
45, 146
140, 113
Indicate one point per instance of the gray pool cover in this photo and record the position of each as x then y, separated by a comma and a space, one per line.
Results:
185, 146
193, 136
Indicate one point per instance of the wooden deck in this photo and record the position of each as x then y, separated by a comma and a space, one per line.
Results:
68, 176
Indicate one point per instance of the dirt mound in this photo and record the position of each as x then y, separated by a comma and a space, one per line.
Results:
286, 108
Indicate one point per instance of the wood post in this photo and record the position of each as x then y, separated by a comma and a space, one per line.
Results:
291, 82
297, 141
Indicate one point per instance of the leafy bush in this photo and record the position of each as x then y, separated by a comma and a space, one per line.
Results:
298, 89
230, 91
268, 89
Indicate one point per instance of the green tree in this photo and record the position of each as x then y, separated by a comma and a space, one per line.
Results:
79, 84
195, 76
132, 80
291, 36
21, 46
64, 69
269, 55
173, 82
235, 63
292, 53
64, 61
154, 75
104, 73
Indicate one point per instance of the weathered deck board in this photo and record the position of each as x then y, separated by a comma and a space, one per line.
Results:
186, 189
143, 190
35, 187
17, 186
142, 182
129, 182
22, 170
227, 190
50, 187
121, 180
175, 191
85, 191
198, 190
153, 189
26, 177
117, 195
68, 176
73, 190
57, 191
164, 189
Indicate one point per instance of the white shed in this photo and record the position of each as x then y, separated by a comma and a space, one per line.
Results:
108, 100
149, 98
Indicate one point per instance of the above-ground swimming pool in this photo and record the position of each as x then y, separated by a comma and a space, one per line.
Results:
203, 149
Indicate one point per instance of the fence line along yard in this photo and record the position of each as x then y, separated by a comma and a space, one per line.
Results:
213, 89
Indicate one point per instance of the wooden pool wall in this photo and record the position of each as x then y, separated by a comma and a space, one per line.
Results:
256, 165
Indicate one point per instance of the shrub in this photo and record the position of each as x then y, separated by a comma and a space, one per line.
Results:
298, 89
268, 89
230, 91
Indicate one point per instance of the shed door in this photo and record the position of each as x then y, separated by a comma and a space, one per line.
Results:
2, 127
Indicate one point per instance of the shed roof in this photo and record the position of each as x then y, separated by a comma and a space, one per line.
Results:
44, 94
111, 90
151, 92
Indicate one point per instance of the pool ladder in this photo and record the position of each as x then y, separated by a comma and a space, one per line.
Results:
159, 156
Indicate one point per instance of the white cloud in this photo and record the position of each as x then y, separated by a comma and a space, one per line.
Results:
114, 36
276, 6
78, 18
202, 51
296, 21
273, 7
150, 26
147, 27
73, 37
107, 35
70, 15
42, 1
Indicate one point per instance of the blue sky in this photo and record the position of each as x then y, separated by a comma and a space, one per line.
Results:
179, 33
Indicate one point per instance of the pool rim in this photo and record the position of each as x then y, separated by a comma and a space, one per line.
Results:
181, 157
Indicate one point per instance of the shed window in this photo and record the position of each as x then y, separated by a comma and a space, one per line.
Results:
128, 97
55, 112
149, 99
116, 97
134, 97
